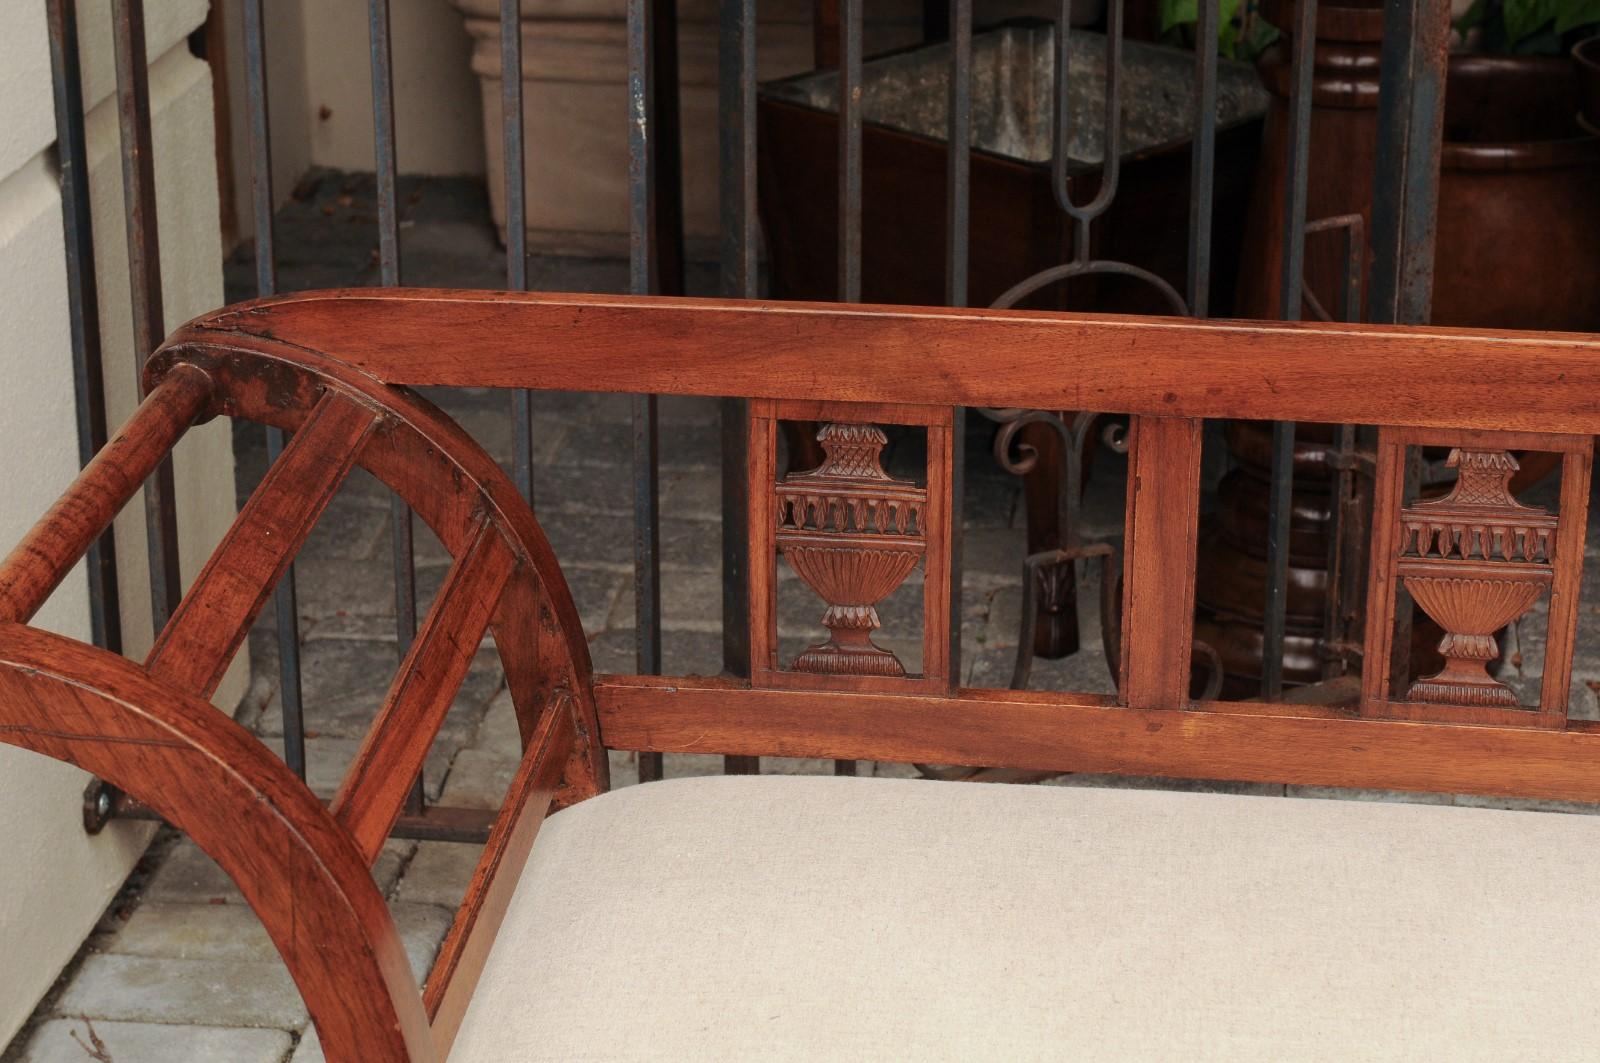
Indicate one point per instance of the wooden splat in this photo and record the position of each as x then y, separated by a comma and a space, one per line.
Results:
853, 534
1474, 560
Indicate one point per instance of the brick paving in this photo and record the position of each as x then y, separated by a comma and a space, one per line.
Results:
179, 968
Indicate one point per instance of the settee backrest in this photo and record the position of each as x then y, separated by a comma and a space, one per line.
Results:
336, 370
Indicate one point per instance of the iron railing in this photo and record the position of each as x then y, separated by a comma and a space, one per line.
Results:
1410, 110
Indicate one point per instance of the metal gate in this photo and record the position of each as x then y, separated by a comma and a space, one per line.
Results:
1401, 239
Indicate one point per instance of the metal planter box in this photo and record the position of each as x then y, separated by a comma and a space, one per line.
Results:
1016, 227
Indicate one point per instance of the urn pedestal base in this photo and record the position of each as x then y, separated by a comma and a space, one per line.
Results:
850, 649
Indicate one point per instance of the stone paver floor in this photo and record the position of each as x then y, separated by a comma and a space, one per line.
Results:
180, 969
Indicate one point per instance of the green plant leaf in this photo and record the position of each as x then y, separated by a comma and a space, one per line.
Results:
1178, 13
1571, 14
1260, 38
1228, 40
1475, 16
1230, 12
1524, 17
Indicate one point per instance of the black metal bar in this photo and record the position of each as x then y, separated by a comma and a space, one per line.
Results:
850, 150
736, 144
259, 132
1296, 174
1411, 89
1061, 133
438, 823
138, 177
736, 132
1410, 132
383, 137
405, 586
1343, 510
647, 554
655, 186
83, 301
511, 127
646, 535
1278, 517
1290, 298
516, 190
286, 605
849, 266
666, 235
1203, 157
958, 220
958, 133
144, 278
384, 141
644, 274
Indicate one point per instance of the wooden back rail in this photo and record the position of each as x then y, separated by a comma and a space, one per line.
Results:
333, 368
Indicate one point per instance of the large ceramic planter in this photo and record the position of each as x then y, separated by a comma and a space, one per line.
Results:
1340, 163
1519, 198
574, 72
1517, 209
1515, 248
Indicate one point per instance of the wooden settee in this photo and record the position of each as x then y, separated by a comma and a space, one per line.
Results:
865, 918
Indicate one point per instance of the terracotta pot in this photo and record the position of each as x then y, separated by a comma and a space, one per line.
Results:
1344, 122
1238, 646
1516, 184
1314, 447
1516, 248
1241, 518
1232, 581
1518, 203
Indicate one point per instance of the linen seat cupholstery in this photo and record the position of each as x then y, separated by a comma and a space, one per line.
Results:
803, 917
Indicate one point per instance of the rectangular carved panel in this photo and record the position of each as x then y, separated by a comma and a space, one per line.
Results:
1474, 561
852, 533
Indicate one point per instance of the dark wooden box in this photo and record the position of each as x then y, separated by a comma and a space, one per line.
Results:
1017, 228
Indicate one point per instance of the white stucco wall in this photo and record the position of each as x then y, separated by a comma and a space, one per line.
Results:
54, 879
438, 128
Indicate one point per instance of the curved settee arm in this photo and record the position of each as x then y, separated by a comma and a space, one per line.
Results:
446, 478
211, 779
149, 729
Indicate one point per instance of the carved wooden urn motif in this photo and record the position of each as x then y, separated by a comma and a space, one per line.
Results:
853, 533
1475, 560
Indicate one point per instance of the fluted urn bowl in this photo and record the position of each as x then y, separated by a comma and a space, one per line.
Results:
1472, 609
852, 575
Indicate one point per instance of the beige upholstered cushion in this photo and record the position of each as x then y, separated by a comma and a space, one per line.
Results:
819, 918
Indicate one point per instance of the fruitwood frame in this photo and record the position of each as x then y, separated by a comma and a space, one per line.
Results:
333, 368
